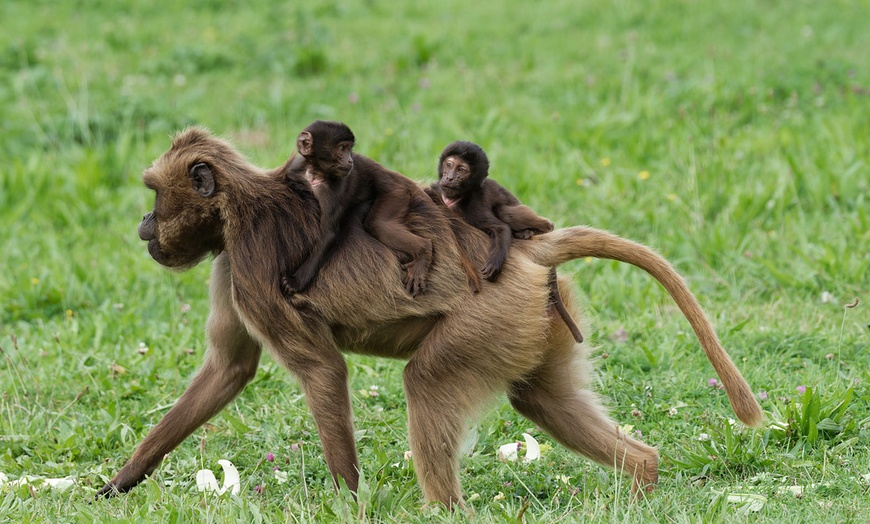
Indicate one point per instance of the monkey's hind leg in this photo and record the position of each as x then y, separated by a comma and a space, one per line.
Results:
444, 391
386, 223
556, 301
575, 418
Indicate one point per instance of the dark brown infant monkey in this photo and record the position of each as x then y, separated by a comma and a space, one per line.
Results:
465, 188
342, 180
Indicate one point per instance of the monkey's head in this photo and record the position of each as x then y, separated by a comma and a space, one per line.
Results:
328, 148
462, 168
186, 225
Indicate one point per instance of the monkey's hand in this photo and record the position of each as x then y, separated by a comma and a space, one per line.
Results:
116, 486
130, 475
109, 490
525, 234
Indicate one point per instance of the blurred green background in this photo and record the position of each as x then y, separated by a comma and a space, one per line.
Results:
733, 137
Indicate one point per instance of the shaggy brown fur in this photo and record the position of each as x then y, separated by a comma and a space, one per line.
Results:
461, 348
342, 181
465, 187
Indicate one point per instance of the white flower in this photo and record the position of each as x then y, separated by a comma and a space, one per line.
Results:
280, 476
60, 484
749, 502
510, 452
206, 481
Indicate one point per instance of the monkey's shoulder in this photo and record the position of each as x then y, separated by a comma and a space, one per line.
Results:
497, 194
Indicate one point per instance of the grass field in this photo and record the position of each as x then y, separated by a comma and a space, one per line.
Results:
734, 137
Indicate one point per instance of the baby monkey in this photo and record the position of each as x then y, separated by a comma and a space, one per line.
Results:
464, 187
343, 180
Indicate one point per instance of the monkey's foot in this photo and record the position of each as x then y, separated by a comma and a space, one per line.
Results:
524, 234
415, 277
490, 271
646, 479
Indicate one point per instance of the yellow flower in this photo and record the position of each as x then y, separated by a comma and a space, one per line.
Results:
672, 197
579, 181
604, 162
498, 497
34, 281
69, 313
588, 260
389, 131
643, 175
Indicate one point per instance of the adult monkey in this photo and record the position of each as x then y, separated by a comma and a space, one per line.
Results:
461, 348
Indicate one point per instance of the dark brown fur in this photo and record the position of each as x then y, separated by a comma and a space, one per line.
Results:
343, 180
462, 349
465, 187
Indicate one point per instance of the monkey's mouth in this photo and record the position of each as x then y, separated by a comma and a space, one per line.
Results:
450, 195
179, 261
449, 202
157, 253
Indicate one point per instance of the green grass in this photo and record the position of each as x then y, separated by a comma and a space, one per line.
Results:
734, 137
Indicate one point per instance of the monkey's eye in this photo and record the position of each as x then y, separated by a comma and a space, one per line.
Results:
462, 169
449, 164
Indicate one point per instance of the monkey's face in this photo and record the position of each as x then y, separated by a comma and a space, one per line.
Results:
456, 180
336, 161
185, 224
328, 148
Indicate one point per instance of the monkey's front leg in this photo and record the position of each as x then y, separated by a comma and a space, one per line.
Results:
498, 251
231, 362
304, 275
322, 373
213, 388
524, 223
302, 278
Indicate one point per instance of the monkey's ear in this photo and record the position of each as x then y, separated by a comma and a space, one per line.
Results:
202, 179
305, 144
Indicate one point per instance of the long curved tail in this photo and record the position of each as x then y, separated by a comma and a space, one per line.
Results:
559, 246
